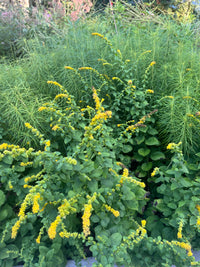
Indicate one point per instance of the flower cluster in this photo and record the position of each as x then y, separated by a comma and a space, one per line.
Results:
180, 228
87, 214
103, 37
150, 91
114, 212
66, 234
155, 171
172, 146
101, 117
36, 206
21, 215
53, 227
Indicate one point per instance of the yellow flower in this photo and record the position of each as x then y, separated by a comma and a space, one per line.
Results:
47, 144
114, 212
36, 206
60, 96
96, 99
152, 63
53, 227
10, 185
97, 34
42, 108
101, 116
85, 68
130, 82
55, 83
179, 235
198, 221
150, 91
15, 228
143, 222
55, 127
69, 68
173, 145
38, 239
86, 219
190, 253
28, 125
155, 171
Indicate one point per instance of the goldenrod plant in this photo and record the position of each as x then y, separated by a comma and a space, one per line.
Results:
73, 196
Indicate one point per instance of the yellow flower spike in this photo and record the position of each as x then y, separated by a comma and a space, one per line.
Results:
47, 144
85, 68
113, 211
150, 91
96, 99
10, 185
190, 253
69, 68
36, 206
125, 172
15, 228
55, 127
155, 171
55, 83
97, 34
180, 228
53, 227
86, 219
28, 125
152, 63
130, 82
42, 108
198, 221
143, 222
173, 145
61, 96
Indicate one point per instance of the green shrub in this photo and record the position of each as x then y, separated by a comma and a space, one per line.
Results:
73, 197
177, 198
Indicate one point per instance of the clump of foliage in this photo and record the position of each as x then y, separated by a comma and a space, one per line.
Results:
74, 194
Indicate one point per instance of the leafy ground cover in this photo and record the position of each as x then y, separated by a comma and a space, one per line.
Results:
99, 151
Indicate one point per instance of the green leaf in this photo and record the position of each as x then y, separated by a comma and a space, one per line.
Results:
174, 185
157, 155
127, 148
116, 239
152, 131
19, 168
137, 157
95, 218
161, 189
105, 221
193, 220
144, 151
2, 198
185, 183
172, 205
93, 186
8, 159
4, 253
147, 166
3, 214
152, 141
139, 139
43, 250
13, 251
104, 261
